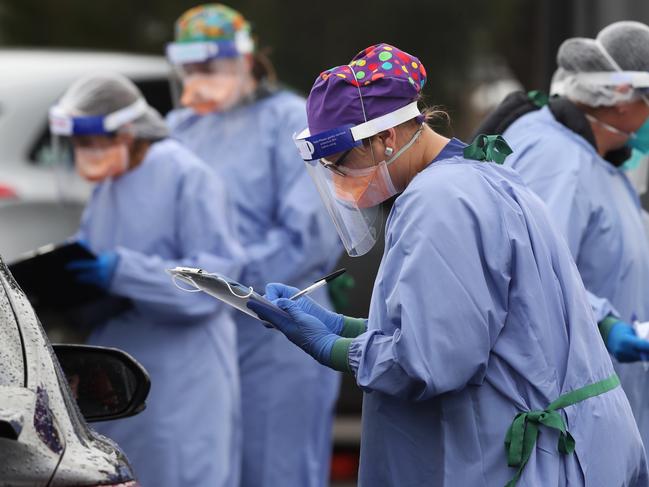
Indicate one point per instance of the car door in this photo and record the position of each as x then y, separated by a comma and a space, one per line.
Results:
31, 446
46, 441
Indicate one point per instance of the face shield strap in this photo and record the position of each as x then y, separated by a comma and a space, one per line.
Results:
606, 54
340, 139
62, 123
179, 53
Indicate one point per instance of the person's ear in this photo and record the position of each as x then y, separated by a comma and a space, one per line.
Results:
389, 140
248, 63
126, 137
623, 108
623, 88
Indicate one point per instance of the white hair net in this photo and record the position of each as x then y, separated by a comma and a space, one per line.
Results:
619, 47
102, 94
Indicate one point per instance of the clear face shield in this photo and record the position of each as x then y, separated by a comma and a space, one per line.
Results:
210, 76
351, 179
619, 86
94, 142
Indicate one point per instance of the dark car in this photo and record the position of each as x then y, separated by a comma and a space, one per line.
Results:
44, 438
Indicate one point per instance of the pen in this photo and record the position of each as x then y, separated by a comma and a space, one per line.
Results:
318, 284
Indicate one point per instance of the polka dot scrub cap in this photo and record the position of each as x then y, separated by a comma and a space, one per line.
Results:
383, 76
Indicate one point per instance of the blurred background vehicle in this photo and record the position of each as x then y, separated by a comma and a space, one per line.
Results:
44, 439
36, 186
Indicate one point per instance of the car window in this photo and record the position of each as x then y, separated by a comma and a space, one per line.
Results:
12, 366
44, 153
157, 94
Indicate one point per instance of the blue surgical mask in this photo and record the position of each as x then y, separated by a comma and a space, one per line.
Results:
634, 161
640, 138
636, 169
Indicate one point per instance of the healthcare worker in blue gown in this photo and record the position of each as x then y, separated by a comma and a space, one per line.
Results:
242, 125
480, 361
157, 206
559, 152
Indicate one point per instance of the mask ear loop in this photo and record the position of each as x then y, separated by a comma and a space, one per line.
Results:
610, 128
246, 296
198, 290
175, 281
407, 146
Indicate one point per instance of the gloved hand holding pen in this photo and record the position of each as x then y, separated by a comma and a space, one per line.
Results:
324, 335
303, 329
344, 326
333, 321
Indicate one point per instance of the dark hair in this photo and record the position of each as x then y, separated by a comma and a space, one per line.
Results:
262, 66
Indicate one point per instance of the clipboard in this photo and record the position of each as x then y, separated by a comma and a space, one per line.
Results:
224, 289
42, 275
55, 293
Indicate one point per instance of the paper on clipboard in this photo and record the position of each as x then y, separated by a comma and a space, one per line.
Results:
642, 331
224, 289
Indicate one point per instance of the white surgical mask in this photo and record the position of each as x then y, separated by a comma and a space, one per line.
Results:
98, 163
370, 186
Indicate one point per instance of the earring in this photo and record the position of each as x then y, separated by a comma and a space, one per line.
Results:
389, 151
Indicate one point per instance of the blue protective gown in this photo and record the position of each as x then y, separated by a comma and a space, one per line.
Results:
288, 398
478, 313
172, 211
594, 205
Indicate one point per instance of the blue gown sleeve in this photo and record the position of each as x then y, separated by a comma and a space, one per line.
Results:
601, 307
204, 237
444, 280
302, 242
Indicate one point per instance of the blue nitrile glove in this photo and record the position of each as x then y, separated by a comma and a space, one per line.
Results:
333, 321
97, 272
307, 332
624, 345
84, 243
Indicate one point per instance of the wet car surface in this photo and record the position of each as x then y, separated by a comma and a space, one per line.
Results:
44, 439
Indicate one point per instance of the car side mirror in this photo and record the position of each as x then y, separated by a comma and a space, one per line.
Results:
107, 383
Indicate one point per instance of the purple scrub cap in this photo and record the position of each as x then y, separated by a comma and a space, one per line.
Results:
385, 77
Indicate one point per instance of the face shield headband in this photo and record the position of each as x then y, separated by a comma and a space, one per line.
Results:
61, 123
346, 137
179, 53
638, 80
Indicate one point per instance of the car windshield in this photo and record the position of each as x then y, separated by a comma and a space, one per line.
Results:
12, 366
